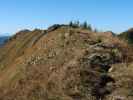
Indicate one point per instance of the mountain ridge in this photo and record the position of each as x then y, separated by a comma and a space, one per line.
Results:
65, 63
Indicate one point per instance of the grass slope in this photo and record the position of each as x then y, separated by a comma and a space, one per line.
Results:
65, 64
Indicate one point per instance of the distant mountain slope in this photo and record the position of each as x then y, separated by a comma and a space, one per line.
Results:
3, 39
127, 35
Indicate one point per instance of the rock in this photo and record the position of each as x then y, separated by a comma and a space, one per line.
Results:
33, 60
119, 98
111, 69
101, 60
105, 46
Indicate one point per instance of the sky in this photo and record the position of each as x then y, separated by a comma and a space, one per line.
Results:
105, 15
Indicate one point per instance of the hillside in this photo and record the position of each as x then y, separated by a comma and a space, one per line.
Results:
65, 63
127, 35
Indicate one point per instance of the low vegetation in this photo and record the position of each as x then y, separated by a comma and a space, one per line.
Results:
66, 62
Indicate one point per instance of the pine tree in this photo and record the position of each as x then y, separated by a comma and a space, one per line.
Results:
71, 24
85, 25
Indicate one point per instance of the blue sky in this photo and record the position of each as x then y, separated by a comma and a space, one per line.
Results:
115, 15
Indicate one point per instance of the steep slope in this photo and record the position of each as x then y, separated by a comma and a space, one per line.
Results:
17, 44
65, 63
127, 35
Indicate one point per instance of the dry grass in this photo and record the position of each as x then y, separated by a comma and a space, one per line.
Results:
51, 68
